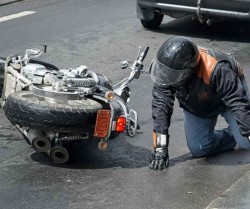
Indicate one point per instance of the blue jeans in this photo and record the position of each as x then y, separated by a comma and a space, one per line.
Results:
203, 139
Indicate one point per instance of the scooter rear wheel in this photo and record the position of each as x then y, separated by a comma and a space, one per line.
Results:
25, 109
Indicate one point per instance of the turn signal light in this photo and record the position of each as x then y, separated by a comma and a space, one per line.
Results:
121, 124
109, 95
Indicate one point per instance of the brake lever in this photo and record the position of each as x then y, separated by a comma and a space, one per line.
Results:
138, 55
144, 53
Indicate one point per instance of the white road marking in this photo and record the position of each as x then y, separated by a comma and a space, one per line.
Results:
14, 16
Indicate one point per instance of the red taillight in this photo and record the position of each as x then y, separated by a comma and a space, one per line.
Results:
120, 124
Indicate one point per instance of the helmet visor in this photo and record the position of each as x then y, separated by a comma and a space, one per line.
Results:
164, 75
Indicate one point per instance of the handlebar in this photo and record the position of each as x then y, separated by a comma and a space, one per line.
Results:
143, 54
33, 53
136, 70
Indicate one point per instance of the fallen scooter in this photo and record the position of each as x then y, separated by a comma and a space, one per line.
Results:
52, 107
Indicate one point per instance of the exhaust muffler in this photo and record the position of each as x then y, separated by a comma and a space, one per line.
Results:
41, 144
37, 138
59, 154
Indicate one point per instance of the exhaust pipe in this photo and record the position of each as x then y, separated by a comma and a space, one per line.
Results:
41, 144
39, 141
59, 154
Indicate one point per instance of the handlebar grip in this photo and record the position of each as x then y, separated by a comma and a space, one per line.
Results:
144, 53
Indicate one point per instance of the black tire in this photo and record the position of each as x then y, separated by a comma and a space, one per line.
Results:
27, 110
2, 65
246, 28
45, 64
154, 23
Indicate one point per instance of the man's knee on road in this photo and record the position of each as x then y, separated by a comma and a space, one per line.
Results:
244, 144
209, 149
200, 150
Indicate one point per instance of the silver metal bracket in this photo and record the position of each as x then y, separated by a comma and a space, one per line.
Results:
199, 16
132, 123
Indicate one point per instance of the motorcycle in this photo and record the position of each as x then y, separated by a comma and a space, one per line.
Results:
52, 107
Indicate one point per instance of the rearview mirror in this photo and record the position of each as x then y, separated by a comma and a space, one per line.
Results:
124, 65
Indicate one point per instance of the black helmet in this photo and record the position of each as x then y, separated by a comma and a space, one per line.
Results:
175, 61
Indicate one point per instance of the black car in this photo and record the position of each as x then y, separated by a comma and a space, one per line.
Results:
2, 63
151, 12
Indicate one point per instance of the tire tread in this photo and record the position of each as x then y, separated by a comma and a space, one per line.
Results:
43, 115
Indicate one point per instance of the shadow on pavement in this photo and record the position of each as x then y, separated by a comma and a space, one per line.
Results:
120, 153
125, 155
180, 159
228, 158
219, 31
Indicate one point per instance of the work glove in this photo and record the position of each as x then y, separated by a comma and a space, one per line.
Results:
159, 159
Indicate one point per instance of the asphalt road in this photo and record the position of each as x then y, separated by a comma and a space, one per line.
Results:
100, 34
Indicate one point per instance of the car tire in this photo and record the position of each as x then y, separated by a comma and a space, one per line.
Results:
246, 27
2, 65
27, 110
154, 23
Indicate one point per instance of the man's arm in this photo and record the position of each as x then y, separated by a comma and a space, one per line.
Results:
232, 93
162, 109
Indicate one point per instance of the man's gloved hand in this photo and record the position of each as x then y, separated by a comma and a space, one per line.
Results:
159, 159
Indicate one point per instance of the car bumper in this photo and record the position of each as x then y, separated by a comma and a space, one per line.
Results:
237, 9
